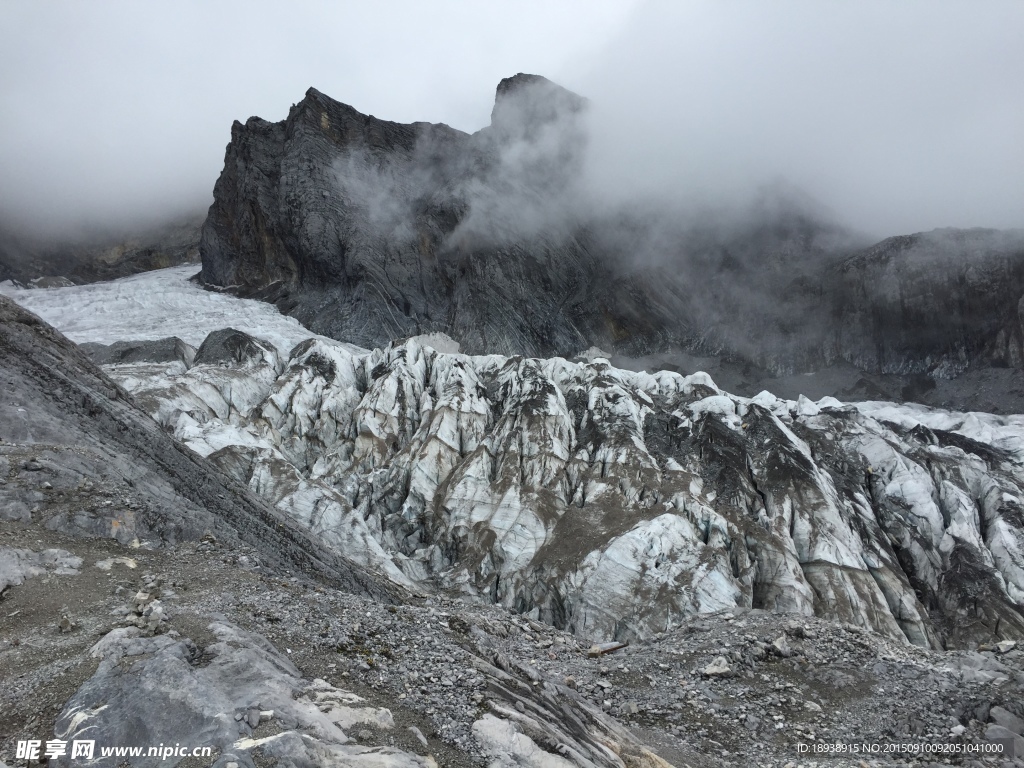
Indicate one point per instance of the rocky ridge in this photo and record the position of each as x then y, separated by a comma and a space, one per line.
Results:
83, 426
367, 230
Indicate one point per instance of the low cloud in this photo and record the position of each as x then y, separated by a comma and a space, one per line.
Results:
890, 117
898, 117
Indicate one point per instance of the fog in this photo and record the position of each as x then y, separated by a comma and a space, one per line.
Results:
892, 117
898, 117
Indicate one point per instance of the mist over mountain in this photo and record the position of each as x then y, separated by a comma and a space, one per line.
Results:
367, 231
100, 254
898, 118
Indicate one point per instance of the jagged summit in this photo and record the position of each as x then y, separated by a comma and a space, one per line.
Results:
509, 85
523, 101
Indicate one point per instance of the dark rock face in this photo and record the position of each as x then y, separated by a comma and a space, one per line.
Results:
45, 264
363, 229
231, 347
367, 231
166, 350
933, 303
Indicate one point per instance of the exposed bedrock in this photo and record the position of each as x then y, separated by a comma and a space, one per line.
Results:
933, 302
614, 503
38, 261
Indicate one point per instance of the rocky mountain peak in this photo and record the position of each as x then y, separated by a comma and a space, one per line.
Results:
367, 230
524, 103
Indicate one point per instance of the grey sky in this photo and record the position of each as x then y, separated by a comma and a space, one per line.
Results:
898, 116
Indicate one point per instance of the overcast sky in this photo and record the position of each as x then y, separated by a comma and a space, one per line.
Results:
898, 116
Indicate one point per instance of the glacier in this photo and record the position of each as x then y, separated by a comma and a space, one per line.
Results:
611, 503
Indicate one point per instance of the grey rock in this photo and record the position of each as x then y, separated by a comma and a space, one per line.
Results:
1000, 733
151, 617
163, 697
781, 647
419, 735
13, 508
167, 350
231, 347
984, 668
600, 649
717, 668
1008, 720
16, 565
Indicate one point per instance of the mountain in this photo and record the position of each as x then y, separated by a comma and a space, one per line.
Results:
933, 302
47, 262
364, 229
478, 541
367, 231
